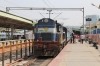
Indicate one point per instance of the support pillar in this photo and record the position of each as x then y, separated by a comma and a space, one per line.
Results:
8, 34
83, 20
25, 42
3, 50
24, 34
66, 36
12, 27
10, 51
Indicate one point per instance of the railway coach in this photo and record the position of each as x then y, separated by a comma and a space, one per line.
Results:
50, 37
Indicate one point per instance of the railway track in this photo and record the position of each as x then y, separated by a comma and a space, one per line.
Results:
42, 61
39, 61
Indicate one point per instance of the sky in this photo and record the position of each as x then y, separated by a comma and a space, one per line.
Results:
67, 18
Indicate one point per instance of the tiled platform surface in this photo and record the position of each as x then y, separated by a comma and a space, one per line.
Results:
77, 55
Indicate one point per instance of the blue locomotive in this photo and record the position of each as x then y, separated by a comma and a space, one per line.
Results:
50, 37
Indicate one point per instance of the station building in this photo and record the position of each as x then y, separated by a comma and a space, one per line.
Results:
90, 25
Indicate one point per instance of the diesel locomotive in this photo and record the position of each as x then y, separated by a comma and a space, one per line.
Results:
50, 37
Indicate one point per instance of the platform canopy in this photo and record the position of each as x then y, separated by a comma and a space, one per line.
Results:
7, 20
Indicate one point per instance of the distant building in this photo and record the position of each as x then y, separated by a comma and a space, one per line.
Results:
95, 21
94, 18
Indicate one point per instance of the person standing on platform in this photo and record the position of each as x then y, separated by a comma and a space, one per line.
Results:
82, 38
78, 38
73, 37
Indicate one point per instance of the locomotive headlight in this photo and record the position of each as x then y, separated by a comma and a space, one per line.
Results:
46, 20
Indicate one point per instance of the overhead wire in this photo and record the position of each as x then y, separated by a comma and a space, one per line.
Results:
2, 7
58, 15
41, 14
46, 3
50, 3
53, 7
11, 3
17, 6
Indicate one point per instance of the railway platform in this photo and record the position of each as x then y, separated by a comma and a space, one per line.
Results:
13, 51
77, 54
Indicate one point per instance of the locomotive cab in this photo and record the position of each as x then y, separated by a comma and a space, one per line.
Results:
49, 35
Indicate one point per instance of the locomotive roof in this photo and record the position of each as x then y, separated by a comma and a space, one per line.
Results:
45, 18
53, 20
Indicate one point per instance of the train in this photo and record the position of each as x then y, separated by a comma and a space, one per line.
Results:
18, 35
4, 36
50, 37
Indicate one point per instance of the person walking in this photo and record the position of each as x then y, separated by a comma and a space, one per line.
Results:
82, 38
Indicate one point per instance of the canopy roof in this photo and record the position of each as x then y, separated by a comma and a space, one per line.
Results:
7, 20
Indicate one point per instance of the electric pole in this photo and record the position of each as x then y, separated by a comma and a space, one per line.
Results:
49, 12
